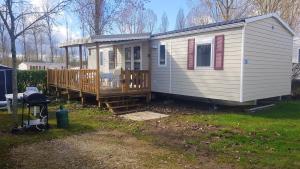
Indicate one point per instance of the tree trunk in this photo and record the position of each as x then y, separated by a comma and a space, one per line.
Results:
98, 12
14, 81
36, 45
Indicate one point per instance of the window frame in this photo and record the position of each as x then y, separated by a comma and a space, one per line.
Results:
205, 41
101, 57
159, 56
131, 55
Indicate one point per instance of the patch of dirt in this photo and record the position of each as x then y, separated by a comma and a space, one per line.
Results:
181, 106
97, 150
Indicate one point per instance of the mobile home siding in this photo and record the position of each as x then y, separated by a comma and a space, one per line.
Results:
268, 54
174, 78
92, 59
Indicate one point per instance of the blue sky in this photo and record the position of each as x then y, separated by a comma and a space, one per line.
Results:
171, 8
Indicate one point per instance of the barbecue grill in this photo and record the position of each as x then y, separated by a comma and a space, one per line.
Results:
34, 99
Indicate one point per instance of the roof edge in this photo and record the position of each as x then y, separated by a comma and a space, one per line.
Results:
209, 29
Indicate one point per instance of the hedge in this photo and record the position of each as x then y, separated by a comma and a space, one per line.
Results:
36, 78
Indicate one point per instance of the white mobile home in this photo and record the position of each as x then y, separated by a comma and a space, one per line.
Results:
237, 61
40, 66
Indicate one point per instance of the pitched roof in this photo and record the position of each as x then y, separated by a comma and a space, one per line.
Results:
120, 37
4, 67
201, 28
224, 23
107, 38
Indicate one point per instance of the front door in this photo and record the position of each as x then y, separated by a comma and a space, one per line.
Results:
133, 58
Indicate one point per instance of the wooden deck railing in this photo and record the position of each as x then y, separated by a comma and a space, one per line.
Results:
133, 80
84, 80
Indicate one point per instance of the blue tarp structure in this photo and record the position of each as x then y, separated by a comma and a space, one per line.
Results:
5, 81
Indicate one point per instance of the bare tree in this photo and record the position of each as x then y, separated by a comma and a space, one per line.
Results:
4, 44
223, 10
151, 19
35, 38
195, 18
289, 10
14, 13
99, 15
180, 20
49, 27
136, 19
164, 25
41, 43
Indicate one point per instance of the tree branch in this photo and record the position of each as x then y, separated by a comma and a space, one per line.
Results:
46, 14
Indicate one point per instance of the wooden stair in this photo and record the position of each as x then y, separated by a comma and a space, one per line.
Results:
124, 104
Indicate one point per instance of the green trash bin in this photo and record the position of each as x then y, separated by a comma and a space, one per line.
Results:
62, 118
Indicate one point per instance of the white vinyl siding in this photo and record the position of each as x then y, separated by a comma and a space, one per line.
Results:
207, 83
92, 59
268, 51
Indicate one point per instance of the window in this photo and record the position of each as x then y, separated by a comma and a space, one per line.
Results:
111, 58
128, 58
203, 55
137, 58
101, 58
162, 55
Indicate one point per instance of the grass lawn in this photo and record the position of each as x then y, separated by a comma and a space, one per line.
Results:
267, 139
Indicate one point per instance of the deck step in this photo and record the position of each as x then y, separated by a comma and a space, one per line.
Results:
123, 105
121, 101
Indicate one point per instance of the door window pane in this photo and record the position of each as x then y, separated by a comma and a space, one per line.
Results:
204, 55
128, 54
137, 53
111, 56
137, 65
128, 58
101, 58
128, 65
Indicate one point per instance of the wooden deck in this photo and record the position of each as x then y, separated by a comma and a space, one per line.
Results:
89, 81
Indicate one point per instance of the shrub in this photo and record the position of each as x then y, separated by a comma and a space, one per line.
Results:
36, 78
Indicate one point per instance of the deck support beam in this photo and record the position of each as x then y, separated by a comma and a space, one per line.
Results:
67, 57
80, 56
80, 75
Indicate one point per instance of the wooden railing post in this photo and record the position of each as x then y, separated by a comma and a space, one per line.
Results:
98, 75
